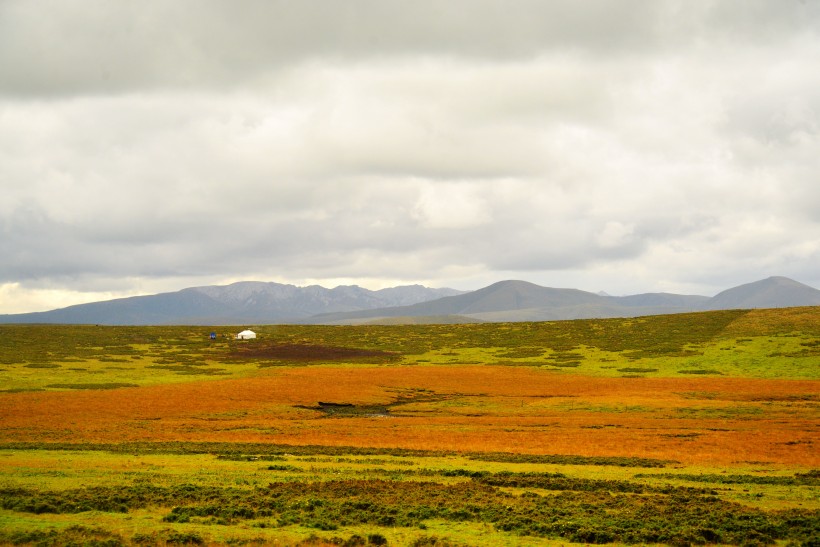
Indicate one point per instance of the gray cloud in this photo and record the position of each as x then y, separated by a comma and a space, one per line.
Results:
87, 45
622, 146
79, 46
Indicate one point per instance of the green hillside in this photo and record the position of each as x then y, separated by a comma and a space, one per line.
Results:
776, 343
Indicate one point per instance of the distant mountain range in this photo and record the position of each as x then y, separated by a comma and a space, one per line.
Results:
246, 302
250, 302
523, 301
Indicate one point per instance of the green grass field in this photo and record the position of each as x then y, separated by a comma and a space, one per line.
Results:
264, 495
183, 491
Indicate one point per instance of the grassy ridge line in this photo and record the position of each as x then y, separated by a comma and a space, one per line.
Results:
243, 450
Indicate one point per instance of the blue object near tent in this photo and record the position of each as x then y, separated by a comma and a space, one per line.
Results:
213, 336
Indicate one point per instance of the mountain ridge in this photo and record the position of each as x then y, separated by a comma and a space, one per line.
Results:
257, 302
772, 292
243, 302
514, 300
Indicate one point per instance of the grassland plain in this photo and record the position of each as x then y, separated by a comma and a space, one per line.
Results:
680, 429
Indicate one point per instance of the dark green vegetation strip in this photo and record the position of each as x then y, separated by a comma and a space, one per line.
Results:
73, 535
242, 451
108, 385
558, 481
546, 481
582, 516
811, 478
557, 459
82, 535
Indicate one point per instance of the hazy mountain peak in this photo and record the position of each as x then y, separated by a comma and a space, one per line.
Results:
772, 292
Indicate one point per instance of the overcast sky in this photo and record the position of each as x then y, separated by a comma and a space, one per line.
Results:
626, 146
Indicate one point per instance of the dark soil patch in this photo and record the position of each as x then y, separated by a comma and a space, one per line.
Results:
190, 370
376, 410
347, 409
310, 352
111, 385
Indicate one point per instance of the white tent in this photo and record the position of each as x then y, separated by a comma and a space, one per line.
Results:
246, 335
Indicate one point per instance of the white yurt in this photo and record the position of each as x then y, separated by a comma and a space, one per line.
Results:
246, 335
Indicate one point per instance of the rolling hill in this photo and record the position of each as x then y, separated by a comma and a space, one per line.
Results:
773, 292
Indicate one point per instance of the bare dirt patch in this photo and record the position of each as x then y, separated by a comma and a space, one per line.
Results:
405, 397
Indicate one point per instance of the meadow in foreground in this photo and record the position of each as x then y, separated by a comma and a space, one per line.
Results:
692, 428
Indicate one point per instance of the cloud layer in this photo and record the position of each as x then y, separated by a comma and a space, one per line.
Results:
629, 146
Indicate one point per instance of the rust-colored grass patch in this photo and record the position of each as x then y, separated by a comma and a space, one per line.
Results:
460, 408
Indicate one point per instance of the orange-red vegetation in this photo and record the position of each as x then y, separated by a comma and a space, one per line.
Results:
460, 408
